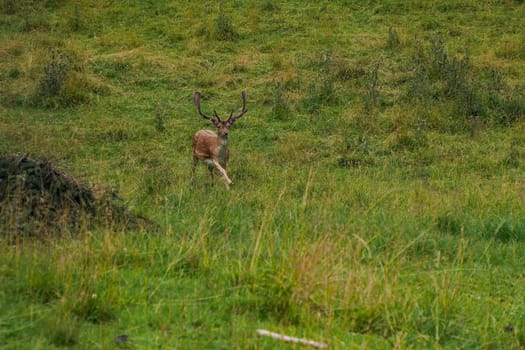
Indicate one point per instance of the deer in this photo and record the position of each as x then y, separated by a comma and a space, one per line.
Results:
211, 147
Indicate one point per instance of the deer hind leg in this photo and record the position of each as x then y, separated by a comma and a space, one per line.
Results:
211, 169
223, 172
193, 167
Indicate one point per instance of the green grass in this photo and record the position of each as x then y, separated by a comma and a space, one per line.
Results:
378, 173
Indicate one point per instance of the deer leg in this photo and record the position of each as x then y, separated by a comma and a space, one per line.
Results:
223, 172
210, 170
193, 167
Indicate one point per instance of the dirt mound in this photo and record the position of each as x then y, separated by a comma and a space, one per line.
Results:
38, 200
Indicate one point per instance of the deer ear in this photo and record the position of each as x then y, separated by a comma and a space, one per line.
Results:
215, 122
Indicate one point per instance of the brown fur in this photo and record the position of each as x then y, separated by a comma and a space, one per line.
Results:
211, 147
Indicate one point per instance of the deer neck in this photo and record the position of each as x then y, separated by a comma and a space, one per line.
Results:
222, 147
222, 141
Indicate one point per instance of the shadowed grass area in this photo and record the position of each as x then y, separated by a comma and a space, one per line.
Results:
377, 197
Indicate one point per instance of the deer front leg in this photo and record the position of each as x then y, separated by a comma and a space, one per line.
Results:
223, 172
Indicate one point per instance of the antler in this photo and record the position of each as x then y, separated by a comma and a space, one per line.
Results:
243, 110
197, 101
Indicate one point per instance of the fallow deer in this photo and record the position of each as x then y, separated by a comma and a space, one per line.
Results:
212, 147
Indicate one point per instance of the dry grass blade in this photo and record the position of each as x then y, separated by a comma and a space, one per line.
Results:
288, 338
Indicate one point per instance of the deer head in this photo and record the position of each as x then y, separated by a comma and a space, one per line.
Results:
223, 126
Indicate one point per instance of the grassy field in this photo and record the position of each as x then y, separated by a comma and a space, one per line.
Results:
378, 173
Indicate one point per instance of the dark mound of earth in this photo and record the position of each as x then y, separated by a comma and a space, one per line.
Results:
38, 200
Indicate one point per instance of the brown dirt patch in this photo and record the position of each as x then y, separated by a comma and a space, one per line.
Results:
38, 200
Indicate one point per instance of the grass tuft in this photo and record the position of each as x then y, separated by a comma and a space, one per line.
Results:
224, 29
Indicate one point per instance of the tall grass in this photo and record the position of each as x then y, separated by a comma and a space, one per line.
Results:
378, 193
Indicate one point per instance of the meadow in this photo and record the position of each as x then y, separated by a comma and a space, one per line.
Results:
378, 175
